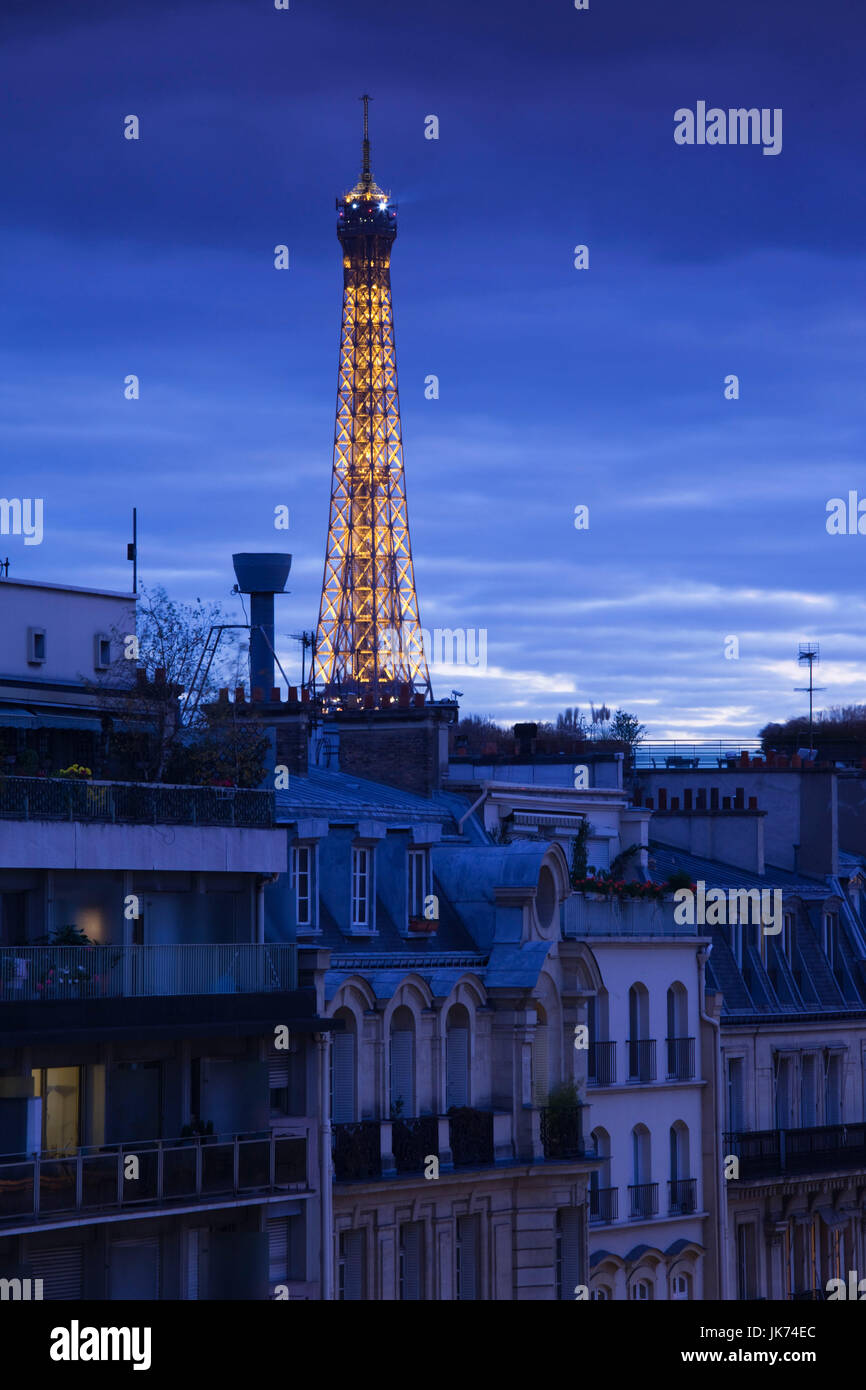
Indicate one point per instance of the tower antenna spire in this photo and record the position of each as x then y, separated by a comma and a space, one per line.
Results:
366, 176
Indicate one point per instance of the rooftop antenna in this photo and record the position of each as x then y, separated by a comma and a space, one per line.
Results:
809, 653
132, 550
366, 176
306, 640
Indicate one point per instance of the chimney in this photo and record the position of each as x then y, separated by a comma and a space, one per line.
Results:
262, 576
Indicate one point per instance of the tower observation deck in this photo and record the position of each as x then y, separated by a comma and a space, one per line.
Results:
369, 638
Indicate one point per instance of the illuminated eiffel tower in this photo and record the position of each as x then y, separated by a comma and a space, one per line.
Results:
369, 636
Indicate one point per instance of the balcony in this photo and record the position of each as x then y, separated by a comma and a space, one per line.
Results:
614, 916
562, 1132
773, 1153
32, 974
137, 803
681, 1059
182, 1171
601, 1064
641, 1059
682, 1196
603, 1204
644, 1199
364, 1150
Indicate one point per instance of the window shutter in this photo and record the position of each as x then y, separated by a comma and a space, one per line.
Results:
193, 1257
61, 1269
410, 1261
456, 1067
540, 1065
278, 1249
570, 1229
343, 1077
468, 1232
403, 1070
146, 1256
352, 1259
278, 1074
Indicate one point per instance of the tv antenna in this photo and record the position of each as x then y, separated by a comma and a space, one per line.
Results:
308, 642
809, 653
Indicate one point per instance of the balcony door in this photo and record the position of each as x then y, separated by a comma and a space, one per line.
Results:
60, 1090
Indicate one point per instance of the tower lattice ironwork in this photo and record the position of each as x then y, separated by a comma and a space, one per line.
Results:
369, 635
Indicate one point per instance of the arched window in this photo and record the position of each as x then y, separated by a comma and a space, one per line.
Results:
457, 1053
642, 1289
601, 1293
540, 1058
343, 1069
601, 1069
644, 1192
682, 1185
602, 1197
680, 1047
641, 1048
681, 1286
402, 1056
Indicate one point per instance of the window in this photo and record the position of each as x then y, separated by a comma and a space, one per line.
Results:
101, 651
787, 941
832, 1088
601, 1293
830, 939
351, 1265
35, 645
402, 1079
808, 1092
569, 1261
418, 862
286, 1252
60, 1091
736, 1112
737, 942
343, 1070
303, 876
784, 1118
468, 1257
640, 1149
540, 1059
747, 1274
457, 1057
362, 866
681, 1286
642, 1289
411, 1273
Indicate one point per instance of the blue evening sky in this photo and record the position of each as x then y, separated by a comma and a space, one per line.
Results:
558, 387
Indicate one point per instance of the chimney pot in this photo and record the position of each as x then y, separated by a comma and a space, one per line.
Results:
240, 695
275, 695
257, 693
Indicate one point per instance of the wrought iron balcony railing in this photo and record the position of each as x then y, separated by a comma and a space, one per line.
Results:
32, 973
603, 1203
681, 1058
413, 1140
357, 1151
644, 1199
91, 1180
138, 803
471, 1136
682, 1196
562, 1132
601, 1064
641, 1059
767, 1153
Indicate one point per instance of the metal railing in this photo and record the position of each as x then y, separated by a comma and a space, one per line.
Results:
644, 1199
641, 1059
562, 1132
357, 1150
615, 916
603, 1203
413, 1140
59, 798
768, 1153
31, 973
166, 1170
681, 1058
471, 1136
682, 1196
715, 753
601, 1064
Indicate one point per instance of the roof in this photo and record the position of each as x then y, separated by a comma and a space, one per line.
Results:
324, 792
666, 860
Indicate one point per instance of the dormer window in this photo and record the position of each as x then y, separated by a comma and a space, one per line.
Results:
419, 882
362, 886
304, 881
830, 935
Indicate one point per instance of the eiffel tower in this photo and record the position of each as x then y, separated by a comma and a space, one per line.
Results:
369, 638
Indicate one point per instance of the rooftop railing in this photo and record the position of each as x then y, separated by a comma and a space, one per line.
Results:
707, 753
32, 973
583, 915
136, 803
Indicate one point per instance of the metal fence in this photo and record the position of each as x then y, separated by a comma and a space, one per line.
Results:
29, 973
57, 798
615, 916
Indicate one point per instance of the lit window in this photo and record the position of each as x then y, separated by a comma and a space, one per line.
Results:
361, 877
